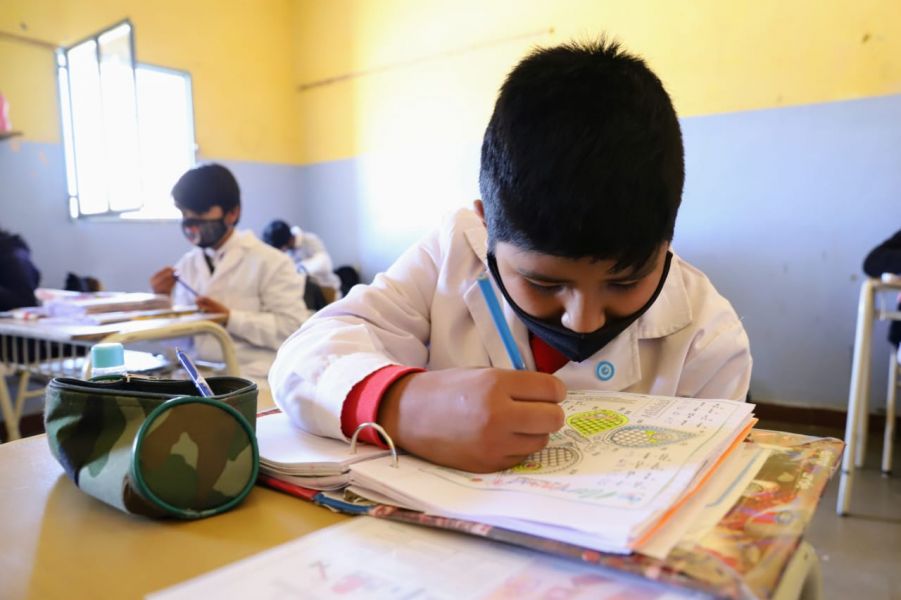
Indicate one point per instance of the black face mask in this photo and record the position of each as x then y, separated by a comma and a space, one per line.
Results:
204, 233
576, 346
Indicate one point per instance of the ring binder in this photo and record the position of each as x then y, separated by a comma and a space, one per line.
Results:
381, 432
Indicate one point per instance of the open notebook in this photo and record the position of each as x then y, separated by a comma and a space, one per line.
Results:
293, 455
620, 467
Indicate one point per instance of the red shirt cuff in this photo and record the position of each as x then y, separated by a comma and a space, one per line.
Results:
362, 403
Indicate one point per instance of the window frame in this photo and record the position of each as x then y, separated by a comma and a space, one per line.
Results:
64, 91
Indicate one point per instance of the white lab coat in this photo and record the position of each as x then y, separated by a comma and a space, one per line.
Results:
311, 257
261, 288
427, 311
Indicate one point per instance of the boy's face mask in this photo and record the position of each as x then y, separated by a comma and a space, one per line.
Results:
204, 233
576, 346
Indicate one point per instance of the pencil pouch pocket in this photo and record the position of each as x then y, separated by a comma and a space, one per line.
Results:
152, 447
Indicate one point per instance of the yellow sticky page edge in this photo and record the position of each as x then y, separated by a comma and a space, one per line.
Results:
675, 507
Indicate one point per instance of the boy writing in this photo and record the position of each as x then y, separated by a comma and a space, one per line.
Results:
254, 285
581, 179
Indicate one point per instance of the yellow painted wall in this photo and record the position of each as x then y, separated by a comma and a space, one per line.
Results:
239, 53
435, 65
428, 70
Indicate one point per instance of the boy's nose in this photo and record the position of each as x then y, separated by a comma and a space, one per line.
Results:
583, 315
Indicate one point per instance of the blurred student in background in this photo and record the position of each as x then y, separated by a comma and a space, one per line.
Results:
18, 275
309, 255
231, 272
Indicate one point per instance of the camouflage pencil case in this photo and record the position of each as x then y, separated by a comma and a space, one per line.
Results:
153, 447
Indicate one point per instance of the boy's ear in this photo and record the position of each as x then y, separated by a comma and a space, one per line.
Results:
232, 216
480, 210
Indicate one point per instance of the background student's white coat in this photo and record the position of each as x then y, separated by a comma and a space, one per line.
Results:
261, 288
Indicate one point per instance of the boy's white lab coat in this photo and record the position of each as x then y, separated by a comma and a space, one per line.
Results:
261, 288
427, 311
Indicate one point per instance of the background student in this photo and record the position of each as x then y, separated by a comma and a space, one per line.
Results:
231, 272
581, 179
886, 258
19, 278
308, 253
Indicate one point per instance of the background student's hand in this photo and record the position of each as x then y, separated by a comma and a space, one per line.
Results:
207, 304
478, 420
163, 281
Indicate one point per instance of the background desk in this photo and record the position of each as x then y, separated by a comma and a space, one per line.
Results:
56, 348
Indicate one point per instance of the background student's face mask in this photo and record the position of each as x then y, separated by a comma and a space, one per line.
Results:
576, 346
204, 233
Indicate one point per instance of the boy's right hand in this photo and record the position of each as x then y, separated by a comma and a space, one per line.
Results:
478, 420
163, 281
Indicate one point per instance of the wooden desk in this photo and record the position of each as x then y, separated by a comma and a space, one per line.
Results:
58, 349
58, 542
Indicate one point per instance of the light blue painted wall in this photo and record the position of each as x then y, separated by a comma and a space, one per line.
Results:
370, 209
780, 208
121, 254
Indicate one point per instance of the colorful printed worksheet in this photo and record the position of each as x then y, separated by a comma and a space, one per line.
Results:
621, 463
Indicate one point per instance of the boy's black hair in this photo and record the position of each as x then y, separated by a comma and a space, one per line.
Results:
277, 234
206, 186
583, 157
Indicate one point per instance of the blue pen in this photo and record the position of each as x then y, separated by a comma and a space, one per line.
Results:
185, 285
196, 377
500, 323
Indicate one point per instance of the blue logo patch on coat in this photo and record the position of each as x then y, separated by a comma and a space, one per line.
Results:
605, 370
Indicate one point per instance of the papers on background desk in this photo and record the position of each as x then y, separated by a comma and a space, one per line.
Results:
374, 559
97, 308
102, 302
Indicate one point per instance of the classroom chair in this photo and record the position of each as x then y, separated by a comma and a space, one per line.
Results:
314, 295
868, 311
349, 277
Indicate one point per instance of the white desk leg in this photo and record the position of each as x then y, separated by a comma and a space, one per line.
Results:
9, 413
863, 398
890, 397
860, 375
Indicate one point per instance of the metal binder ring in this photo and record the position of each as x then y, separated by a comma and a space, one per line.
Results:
381, 432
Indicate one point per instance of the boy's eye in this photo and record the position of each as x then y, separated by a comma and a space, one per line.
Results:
623, 285
544, 288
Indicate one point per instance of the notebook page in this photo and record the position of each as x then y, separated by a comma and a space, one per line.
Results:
289, 450
620, 460
372, 559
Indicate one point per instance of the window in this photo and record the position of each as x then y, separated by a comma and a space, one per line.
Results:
128, 129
